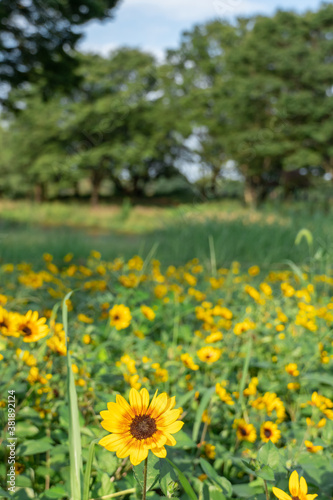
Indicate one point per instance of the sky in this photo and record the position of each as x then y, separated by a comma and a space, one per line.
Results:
156, 25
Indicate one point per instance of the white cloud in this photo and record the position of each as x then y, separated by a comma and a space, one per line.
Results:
194, 10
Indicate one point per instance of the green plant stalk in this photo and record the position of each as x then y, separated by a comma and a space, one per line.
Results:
266, 490
75, 449
245, 372
117, 494
145, 471
87, 473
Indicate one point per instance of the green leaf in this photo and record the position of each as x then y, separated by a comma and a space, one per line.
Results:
75, 451
221, 481
184, 440
184, 481
55, 492
269, 455
198, 417
152, 473
4, 493
34, 447
25, 429
168, 477
86, 483
266, 473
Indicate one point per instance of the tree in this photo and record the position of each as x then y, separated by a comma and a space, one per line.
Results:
37, 40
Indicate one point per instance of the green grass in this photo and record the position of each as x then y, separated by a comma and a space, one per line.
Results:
264, 237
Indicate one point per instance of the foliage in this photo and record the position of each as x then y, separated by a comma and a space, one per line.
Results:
253, 414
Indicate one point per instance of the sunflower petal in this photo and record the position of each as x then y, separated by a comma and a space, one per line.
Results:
280, 494
294, 484
303, 487
159, 452
168, 418
145, 399
123, 403
160, 403
138, 453
136, 401
174, 427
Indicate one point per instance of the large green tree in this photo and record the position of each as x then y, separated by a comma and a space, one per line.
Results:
37, 39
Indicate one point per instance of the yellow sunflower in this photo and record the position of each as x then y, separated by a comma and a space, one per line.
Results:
297, 487
209, 354
269, 432
31, 327
120, 317
8, 322
139, 427
244, 431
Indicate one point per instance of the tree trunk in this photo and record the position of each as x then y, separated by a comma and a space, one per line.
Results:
96, 180
40, 192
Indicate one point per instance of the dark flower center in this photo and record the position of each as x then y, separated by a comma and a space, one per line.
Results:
243, 431
3, 324
267, 433
143, 427
27, 331
116, 317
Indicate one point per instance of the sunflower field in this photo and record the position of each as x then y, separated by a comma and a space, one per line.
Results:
133, 380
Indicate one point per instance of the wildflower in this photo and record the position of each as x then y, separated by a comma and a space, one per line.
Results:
210, 451
209, 354
84, 319
139, 427
188, 362
269, 432
120, 317
244, 431
297, 487
223, 394
291, 368
31, 327
148, 312
311, 448
254, 270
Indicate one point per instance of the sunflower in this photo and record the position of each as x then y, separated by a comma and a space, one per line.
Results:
311, 447
148, 312
209, 354
120, 317
31, 327
297, 487
8, 323
269, 432
244, 431
139, 427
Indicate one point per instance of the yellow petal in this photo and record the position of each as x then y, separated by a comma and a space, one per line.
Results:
114, 426
125, 450
303, 487
138, 453
280, 494
175, 427
117, 410
168, 418
113, 441
159, 452
160, 403
136, 401
170, 440
123, 403
171, 403
294, 484
145, 400
311, 497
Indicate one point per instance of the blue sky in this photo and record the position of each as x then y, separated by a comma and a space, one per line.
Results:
155, 25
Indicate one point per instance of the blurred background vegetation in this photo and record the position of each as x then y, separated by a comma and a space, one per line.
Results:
230, 135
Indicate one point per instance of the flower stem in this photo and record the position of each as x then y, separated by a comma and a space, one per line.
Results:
266, 490
144, 489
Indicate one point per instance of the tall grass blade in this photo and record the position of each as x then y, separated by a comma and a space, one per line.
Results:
75, 452
87, 473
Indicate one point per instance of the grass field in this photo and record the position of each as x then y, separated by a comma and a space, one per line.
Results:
177, 234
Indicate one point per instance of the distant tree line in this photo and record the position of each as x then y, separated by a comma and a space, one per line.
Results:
256, 94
